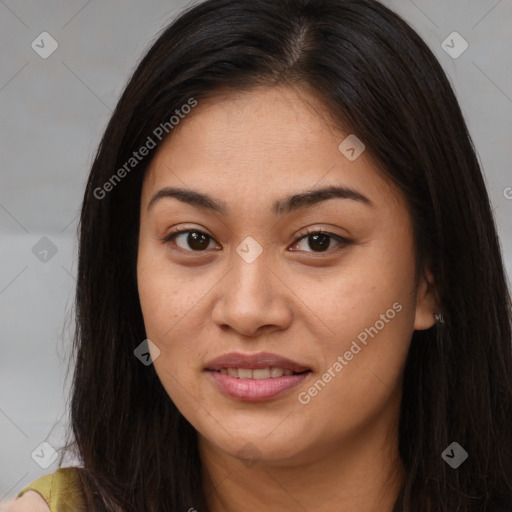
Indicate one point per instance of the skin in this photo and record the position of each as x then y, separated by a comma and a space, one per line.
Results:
31, 501
339, 452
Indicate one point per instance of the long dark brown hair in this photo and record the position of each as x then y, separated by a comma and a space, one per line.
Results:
377, 77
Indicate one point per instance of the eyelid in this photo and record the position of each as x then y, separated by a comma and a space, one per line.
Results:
304, 233
179, 231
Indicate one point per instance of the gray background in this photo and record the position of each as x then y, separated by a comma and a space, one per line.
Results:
54, 111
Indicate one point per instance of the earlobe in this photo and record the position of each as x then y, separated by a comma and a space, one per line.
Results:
427, 309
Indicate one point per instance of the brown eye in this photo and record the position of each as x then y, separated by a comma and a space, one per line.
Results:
320, 241
191, 240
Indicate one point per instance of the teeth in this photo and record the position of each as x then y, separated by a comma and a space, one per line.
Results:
257, 374
260, 373
244, 373
276, 372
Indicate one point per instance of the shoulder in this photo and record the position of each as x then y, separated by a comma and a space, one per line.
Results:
31, 501
54, 492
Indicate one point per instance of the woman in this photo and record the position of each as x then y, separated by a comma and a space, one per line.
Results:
290, 290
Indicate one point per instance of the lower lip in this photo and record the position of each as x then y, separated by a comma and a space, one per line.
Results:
256, 390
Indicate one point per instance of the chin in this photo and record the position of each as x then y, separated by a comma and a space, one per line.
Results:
254, 445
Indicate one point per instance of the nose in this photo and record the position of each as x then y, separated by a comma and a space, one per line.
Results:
252, 299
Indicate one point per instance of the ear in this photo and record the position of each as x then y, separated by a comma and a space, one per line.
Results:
426, 303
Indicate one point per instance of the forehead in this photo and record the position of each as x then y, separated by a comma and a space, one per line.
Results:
267, 142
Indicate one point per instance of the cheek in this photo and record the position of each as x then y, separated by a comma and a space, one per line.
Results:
166, 293
369, 310
162, 298
173, 301
362, 364
167, 307
362, 292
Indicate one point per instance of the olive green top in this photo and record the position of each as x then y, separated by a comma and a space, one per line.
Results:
61, 490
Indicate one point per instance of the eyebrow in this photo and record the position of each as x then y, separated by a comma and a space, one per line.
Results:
284, 206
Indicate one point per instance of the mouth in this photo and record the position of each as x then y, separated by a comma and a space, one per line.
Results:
258, 373
255, 377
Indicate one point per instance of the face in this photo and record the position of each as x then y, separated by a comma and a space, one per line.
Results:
251, 264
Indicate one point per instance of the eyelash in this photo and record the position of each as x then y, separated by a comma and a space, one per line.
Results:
343, 242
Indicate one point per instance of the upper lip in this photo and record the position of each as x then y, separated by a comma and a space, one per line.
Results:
254, 361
